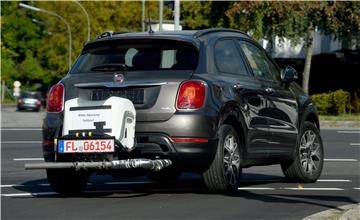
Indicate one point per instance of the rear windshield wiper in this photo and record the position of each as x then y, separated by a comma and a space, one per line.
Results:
110, 67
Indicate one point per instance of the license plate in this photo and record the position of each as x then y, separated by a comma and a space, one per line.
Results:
28, 101
86, 146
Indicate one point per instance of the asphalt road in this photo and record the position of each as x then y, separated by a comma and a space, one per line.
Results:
264, 193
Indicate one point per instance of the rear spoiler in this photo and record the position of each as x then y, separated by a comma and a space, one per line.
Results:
114, 85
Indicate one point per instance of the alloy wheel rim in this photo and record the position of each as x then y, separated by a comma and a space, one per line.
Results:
231, 159
310, 153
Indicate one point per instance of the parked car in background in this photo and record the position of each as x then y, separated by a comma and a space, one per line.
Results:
29, 101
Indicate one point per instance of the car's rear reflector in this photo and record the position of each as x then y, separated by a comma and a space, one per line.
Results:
48, 142
189, 140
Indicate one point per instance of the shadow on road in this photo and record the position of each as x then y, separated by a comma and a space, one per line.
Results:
191, 184
291, 198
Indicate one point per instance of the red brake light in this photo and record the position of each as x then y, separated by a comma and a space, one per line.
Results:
55, 98
191, 95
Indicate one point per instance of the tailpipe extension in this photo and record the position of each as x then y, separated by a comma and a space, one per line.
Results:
157, 164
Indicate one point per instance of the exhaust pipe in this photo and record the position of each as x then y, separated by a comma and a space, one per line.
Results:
156, 165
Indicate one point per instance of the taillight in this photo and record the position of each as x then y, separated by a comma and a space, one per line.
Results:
191, 95
55, 98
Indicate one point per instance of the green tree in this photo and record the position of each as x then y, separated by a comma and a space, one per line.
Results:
296, 21
19, 36
195, 14
104, 16
204, 14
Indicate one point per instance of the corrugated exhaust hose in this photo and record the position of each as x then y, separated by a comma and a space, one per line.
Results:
156, 165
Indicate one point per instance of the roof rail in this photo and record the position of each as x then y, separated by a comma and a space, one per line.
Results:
212, 30
111, 33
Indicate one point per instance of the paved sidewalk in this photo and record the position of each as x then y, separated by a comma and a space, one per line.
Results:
347, 212
324, 124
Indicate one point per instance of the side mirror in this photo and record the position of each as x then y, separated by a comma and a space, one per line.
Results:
288, 74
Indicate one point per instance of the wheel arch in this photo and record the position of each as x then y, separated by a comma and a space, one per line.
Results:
310, 115
231, 114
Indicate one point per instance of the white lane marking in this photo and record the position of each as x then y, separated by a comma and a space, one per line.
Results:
44, 184
355, 144
333, 180
20, 129
114, 191
314, 189
29, 194
349, 132
21, 142
27, 159
357, 188
11, 185
255, 188
53, 193
341, 160
126, 183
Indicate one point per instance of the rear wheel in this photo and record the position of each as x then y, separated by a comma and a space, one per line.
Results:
224, 173
68, 182
309, 159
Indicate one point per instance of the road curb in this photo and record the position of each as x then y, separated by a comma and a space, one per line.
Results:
347, 212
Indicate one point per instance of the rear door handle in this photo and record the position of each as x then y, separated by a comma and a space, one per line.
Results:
269, 90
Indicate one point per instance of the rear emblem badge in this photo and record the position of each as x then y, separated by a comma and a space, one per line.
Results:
119, 78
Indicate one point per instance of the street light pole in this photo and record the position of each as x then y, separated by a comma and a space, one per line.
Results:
161, 6
56, 15
87, 19
142, 15
177, 15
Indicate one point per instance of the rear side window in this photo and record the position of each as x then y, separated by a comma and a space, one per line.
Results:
227, 58
260, 64
140, 55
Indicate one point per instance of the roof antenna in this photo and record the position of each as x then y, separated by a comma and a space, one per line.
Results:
149, 24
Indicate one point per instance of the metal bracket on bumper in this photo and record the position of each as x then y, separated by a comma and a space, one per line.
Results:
156, 165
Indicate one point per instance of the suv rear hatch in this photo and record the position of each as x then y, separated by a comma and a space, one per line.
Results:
148, 72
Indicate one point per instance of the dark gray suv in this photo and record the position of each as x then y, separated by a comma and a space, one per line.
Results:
209, 101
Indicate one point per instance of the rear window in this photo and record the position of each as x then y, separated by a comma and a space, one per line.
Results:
137, 56
30, 95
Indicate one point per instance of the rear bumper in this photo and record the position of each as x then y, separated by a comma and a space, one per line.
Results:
153, 140
183, 125
28, 106
194, 157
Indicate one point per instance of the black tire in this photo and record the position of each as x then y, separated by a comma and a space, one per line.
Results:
220, 177
309, 159
67, 182
168, 175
